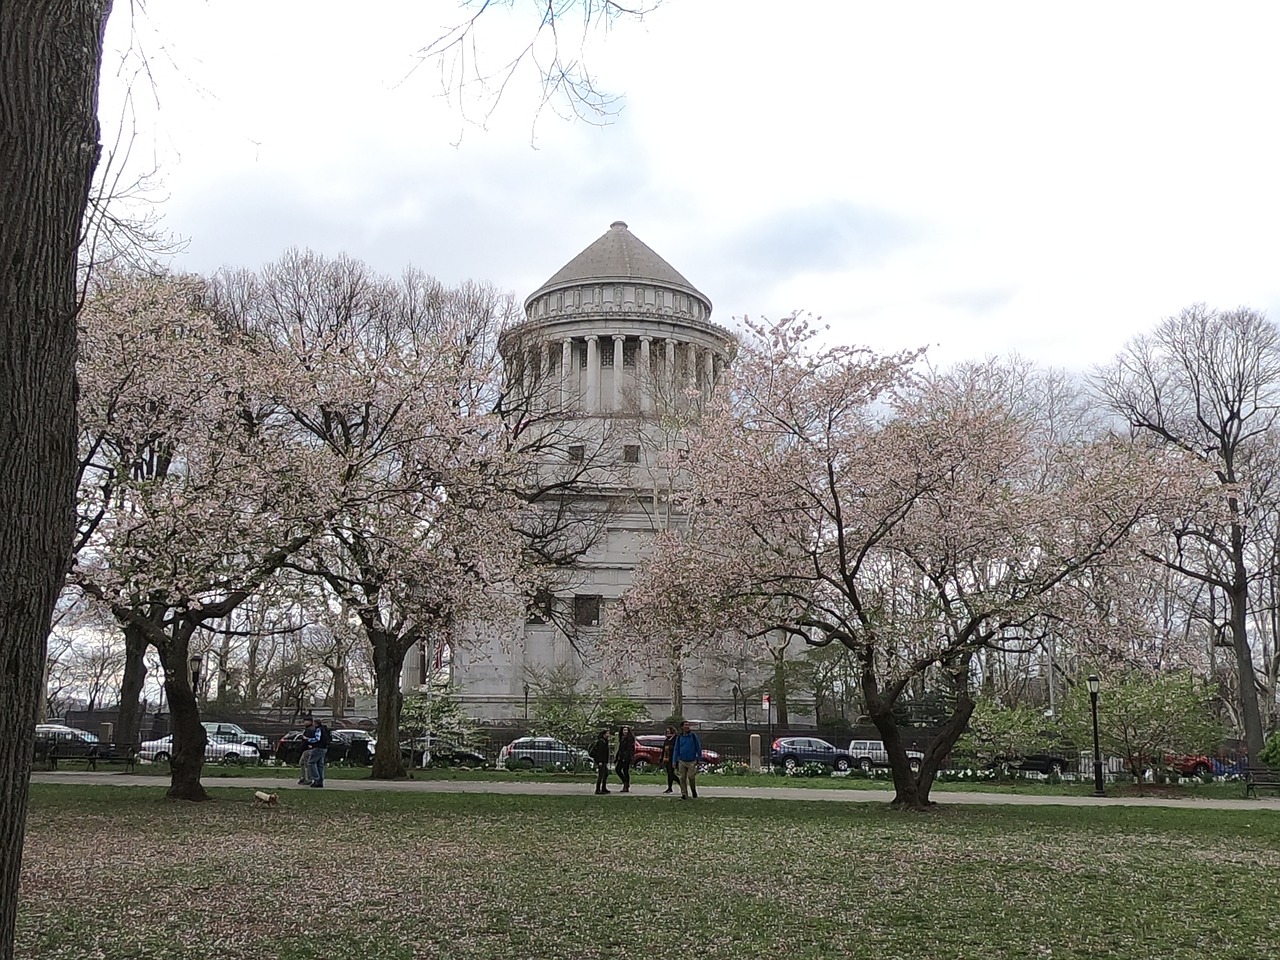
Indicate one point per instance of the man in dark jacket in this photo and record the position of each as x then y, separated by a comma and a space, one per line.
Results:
625, 755
688, 753
319, 742
599, 754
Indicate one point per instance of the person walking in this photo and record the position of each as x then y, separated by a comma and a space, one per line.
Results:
304, 762
320, 740
599, 754
688, 751
626, 754
669, 757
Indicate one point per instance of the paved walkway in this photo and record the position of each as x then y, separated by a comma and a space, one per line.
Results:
708, 790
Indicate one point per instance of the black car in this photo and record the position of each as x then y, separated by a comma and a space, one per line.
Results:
289, 749
442, 752
1034, 763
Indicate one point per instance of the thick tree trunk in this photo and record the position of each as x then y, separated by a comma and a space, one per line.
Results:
1250, 714
50, 55
189, 737
677, 689
911, 790
388, 659
129, 721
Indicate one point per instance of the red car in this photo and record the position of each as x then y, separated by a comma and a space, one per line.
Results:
649, 752
1190, 765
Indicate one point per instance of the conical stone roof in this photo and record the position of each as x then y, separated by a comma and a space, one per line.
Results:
619, 255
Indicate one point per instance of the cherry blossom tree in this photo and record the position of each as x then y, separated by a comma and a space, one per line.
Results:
192, 491
393, 384
916, 518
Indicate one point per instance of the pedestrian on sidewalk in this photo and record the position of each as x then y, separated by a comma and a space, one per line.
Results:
599, 754
626, 754
321, 738
688, 753
669, 757
308, 733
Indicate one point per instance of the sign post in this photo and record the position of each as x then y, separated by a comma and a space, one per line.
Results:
766, 703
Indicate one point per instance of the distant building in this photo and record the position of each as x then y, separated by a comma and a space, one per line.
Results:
616, 350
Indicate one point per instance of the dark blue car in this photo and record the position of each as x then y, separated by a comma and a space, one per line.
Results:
792, 752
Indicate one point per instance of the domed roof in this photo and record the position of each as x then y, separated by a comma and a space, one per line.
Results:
618, 255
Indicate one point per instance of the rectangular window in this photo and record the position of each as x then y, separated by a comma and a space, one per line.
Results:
540, 608
631, 453
577, 454
586, 610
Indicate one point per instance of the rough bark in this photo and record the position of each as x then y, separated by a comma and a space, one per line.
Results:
1250, 714
911, 790
189, 737
388, 659
129, 720
50, 56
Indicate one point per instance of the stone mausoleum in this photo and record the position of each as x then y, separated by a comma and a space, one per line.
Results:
615, 352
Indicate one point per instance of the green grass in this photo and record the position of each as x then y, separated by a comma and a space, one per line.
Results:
855, 781
117, 873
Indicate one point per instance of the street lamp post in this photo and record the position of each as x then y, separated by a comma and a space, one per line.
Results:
1094, 683
194, 664
526, 704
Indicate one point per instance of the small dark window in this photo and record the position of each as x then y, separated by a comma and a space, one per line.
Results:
586, 610
631, 453
577, 454
540, 608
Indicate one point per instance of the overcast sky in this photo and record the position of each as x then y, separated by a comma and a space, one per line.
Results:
980, 177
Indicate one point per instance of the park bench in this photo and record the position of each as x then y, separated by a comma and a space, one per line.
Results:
1265, 777
52, 751
112, 753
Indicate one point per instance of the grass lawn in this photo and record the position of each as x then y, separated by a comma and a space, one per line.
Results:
1219, 789
116, 873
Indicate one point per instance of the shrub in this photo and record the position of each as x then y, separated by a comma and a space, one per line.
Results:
1270, 754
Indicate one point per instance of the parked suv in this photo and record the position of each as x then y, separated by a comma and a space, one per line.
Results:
867, 754
791, 752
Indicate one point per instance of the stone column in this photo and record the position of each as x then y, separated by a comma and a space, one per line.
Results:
644, 374
693, 366
618, 341
566, 370
669, 371
544, 374
709, 368
592, 401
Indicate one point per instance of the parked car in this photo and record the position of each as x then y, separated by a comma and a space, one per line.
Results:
649, 753
792, 752
360, 740
56, 739
229, 752
868, 754
1035, 763
289, 749
1192, 765
233, 732
63, 732
442, 752
530, 752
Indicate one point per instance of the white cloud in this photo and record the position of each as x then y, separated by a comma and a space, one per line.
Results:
985, 177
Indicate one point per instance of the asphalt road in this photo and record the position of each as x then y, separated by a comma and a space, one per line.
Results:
649, 793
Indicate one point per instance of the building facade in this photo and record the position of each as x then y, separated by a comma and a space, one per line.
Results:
615, 354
